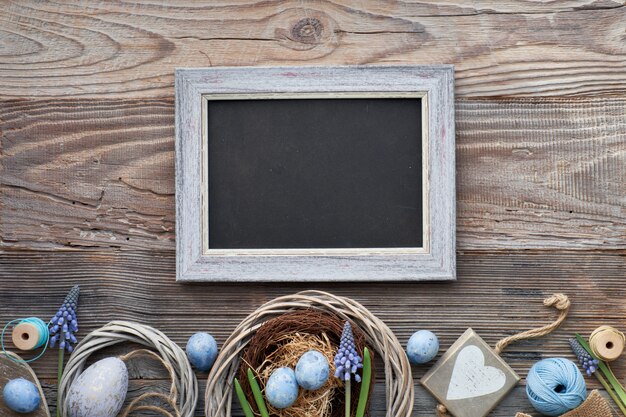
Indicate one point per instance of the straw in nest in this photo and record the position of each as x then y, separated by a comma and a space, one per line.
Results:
282, 341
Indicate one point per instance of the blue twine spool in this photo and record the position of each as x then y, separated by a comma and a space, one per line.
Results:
555, 386
42, 341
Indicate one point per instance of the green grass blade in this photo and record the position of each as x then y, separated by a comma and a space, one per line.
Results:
605, 370
365, 383
256, 392
245, 405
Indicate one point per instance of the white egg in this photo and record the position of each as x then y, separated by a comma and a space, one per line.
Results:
100, 390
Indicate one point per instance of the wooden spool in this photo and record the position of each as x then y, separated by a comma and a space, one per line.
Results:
607, 344
25, 336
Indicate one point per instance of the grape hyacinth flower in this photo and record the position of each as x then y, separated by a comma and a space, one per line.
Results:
347, 362
589, 364
64, 325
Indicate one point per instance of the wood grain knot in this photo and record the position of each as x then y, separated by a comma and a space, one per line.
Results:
308, 30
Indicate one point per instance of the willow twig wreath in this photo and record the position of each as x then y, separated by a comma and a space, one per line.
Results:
183, 394
398, 379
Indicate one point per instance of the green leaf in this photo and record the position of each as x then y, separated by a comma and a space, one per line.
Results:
365, 383
245, 405
608, 374
256, 392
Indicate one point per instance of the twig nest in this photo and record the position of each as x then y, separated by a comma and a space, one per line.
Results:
100, 390
282, 342
312, 370
246, 340
21, 396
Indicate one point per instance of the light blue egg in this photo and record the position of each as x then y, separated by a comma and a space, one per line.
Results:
422, 347
202, 350
312, 370
21, 396
282, 388
100, 390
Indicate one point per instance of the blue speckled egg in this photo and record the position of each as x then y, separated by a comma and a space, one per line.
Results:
282, 388
202, 351
312, 370
422, 347
21, 396
100, 390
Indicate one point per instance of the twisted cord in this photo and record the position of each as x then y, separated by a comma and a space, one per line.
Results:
559, 301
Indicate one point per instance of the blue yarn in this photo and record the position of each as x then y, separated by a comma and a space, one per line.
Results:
555, 386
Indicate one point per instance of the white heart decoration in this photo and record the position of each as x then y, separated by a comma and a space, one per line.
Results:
471, 378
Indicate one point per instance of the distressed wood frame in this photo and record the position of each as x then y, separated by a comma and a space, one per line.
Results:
436, 260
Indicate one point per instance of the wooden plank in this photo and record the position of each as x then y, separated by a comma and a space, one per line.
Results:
99, 49
424, 405
531, 173
541, 173
497, 294
105, 169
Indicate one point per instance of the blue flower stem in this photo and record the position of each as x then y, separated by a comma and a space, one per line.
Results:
59, 375
348, 391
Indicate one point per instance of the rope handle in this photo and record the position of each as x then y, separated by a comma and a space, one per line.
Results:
560, 302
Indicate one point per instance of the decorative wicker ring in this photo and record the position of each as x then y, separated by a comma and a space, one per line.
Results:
398, 379
173, 357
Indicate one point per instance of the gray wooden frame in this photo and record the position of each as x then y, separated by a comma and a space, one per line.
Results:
436, 260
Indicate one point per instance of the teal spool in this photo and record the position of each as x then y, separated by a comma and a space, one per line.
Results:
555, 386
42, 341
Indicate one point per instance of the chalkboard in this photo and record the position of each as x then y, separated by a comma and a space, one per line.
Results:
314, 173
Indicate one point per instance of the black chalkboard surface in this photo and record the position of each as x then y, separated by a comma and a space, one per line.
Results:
315, 173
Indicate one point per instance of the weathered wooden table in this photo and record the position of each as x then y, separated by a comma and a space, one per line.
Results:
87, 161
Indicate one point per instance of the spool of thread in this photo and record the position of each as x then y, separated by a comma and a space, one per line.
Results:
27, 334
607, 343
555, 386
